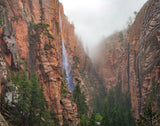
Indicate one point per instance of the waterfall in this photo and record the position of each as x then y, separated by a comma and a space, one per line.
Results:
65, 64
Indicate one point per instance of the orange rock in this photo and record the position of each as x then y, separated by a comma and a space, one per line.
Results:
132, 62
40, 47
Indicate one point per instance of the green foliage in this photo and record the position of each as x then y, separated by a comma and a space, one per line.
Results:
23, 104
117, 109
40, 25
65, 122
151, 117
84, 120
78, 81
64, 74
92, 120
80, 99
98, 117
97, 102
38, 108
1, 21
21, 62
11, 76
64, 89
54, 117
98, 95
30, 107
61, 74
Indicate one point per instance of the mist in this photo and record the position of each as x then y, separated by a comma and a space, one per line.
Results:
94, 20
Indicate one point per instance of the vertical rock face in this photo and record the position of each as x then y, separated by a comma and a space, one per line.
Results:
30, 32
110, 60
80, 64
131, 58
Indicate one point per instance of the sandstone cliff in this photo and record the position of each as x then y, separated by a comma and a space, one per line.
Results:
30, 33
131, 58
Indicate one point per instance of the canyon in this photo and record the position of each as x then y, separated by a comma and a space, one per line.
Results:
38, 33
130, 58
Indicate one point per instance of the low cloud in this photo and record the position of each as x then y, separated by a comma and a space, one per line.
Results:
94, 19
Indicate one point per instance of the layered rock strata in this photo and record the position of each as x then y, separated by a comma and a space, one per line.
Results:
30, 33
131, 58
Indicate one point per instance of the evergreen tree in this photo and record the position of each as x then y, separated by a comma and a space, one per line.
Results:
117, 109
84, 120
30, 106
54, 118
44, 114
35, 102
151, 117
39, 114
80, 99
92, 121
23, 99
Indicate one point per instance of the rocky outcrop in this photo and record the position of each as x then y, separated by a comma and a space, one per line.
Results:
30, 33
70, 111
132, 57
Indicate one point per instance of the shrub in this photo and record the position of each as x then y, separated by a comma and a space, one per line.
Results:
40, 25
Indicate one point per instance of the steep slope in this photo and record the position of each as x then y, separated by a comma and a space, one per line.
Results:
131, 59
81, 66
30, 33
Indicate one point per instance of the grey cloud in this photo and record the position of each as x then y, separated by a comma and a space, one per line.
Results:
94, 23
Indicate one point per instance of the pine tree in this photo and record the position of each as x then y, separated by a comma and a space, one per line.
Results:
117, 109
23, 100
35, 103
54, 117
44, 114
151, 117
30, 108
39, 113
80, 99
92, 121
84, 120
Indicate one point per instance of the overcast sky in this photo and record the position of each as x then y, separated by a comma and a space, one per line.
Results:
95, 19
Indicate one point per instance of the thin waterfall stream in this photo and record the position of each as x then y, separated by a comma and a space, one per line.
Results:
65, 64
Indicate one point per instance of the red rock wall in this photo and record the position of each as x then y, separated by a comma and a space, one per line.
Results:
24, 39
132, 60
